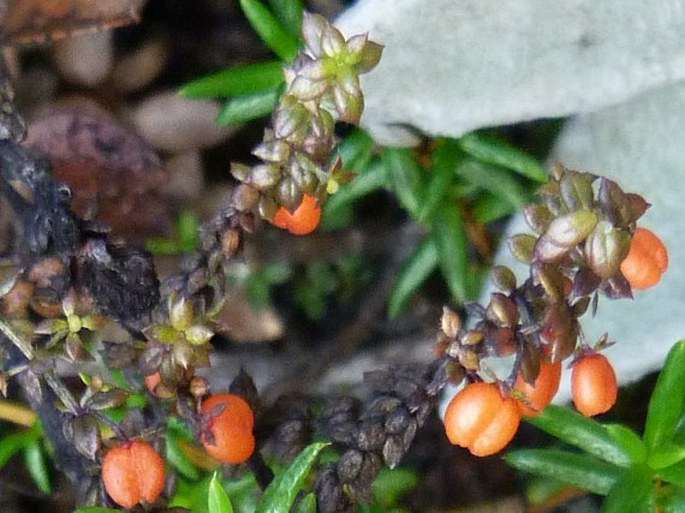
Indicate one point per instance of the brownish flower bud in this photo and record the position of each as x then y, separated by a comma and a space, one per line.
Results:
450, 322
563, 234
605, 249
522, 246
502, 310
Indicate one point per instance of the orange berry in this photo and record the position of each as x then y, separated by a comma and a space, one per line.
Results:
538, 395
156, 388
151, 382
647, 259
593, 385
133, 472
303, 220
480, 419
231, 428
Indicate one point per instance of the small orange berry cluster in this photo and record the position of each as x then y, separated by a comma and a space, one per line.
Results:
483, 420
133, 471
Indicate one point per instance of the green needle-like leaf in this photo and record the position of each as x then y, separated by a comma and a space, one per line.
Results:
445, 160
11, 444
289, 13
280, 494
628, 441
413, 273
493, 151
217, 499
247, 107
177, 458
406, 178
37, 466
496, 180
633, 493
489, 208
235, 81
674, 474
666, 405
575, 469
270, 30
588, 434
450, 238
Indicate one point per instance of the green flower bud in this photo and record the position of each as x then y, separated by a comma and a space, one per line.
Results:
605, 248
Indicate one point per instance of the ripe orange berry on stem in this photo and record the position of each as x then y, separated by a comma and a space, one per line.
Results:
538, 395
593, 384
231, 428
303, 220
480, 419
132, 472
647, 259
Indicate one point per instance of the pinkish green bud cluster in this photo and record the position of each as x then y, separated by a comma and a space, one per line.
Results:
321, 88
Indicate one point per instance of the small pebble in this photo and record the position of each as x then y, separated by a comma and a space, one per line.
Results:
85, 59
173, 123
139, 69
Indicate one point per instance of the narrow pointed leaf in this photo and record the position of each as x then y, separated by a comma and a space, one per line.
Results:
11, 444
674, 474
633, 493
280, 494
289, 14
588, 434
445, 160
246, 107
489, 208
235, 81
406, 178
270, 30
579, 470
217, 499
37, 466
178, 459
628, 441
450, 238
413, 273
665, 456
493, 151
495, 180
666, 405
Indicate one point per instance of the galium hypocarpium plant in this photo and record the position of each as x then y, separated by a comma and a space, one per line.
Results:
70, 289
584, 230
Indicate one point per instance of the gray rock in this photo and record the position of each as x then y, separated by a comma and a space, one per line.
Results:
451, 67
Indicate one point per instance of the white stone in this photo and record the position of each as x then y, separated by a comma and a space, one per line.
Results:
450, 67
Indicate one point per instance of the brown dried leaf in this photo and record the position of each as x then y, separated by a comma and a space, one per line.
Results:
84, 433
